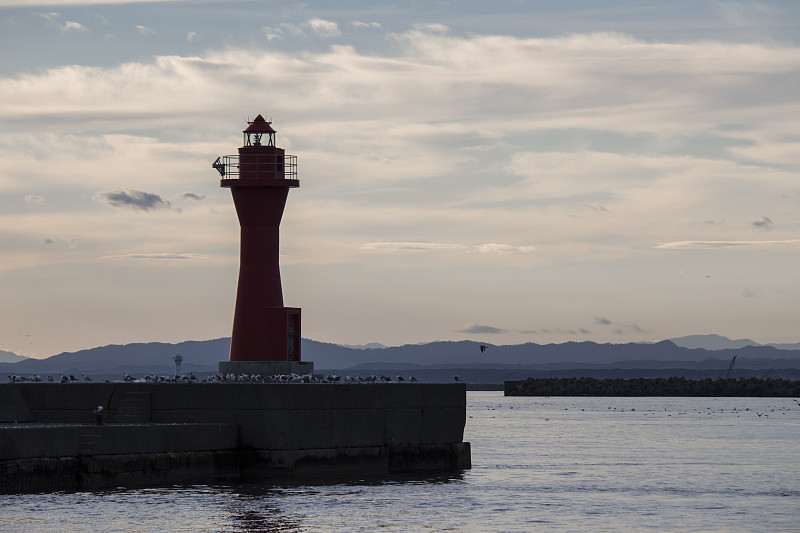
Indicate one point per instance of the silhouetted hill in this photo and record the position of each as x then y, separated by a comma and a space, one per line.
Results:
137, 357
203, 356
10, 357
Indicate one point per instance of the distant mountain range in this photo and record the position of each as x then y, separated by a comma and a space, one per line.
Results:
718, 342
368, 346
439, 358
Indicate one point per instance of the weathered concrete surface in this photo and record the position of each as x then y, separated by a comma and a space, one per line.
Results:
13, 407
204, 432
275, 416
22, 441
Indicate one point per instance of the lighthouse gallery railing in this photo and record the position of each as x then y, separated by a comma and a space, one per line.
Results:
228, 165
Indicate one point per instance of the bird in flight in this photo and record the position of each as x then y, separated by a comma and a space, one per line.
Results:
483, 348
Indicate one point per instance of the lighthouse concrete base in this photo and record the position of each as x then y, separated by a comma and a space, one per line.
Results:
266, 368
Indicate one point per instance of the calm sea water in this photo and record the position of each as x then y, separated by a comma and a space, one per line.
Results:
539, 464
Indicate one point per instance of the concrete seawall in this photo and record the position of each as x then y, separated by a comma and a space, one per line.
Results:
157, 433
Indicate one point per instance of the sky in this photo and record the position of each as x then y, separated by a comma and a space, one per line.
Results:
507, 172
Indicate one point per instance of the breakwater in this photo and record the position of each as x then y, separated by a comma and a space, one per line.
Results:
673, 386
162, 433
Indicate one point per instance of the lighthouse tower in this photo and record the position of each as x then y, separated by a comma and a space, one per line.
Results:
266, 335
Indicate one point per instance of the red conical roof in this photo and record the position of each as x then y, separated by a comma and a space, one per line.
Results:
259, 125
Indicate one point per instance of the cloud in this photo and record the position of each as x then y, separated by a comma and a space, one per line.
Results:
191, 196
324, 28
192, 36
68, 242
711, 245
144, 30
396, 130
410, 246
743, 14
363, 25
556, 331
73, 3
631, 329
74, 26
136, 200
764, 223
277, 32
482, 329
601, 321
35, 199
162, 256
597, 208
591, 78
440, 29
502, 249
487, 248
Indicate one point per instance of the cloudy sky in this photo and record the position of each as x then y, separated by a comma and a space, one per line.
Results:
507, 171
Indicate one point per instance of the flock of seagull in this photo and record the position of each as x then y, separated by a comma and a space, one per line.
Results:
219, 378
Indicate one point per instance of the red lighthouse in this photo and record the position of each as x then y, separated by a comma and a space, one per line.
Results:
266, 335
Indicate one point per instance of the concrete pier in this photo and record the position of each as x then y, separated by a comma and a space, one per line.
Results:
162, 433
